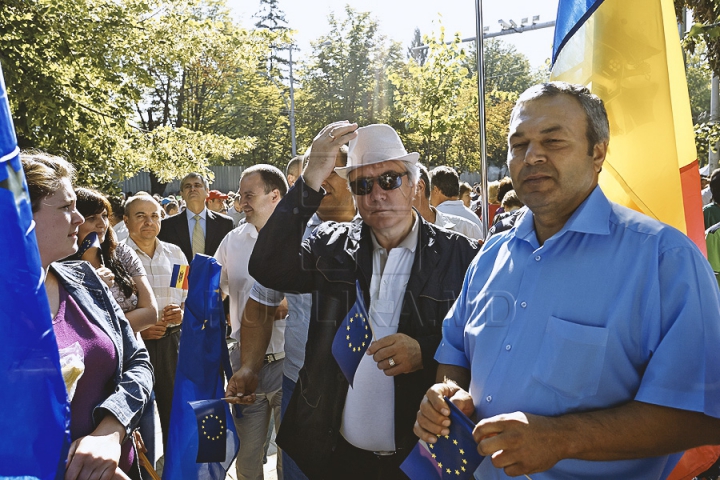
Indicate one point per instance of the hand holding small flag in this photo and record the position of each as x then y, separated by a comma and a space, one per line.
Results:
353, 337
454, 455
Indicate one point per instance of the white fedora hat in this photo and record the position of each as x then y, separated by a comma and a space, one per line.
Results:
375, 144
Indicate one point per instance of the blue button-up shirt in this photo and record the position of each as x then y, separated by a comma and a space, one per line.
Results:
614, 307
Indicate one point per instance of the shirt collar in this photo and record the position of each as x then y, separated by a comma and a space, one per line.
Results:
410, 240
441, 219
314, 221
191, 215
247, 229
592, 216
131, 243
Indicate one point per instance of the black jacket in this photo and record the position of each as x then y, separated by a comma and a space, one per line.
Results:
327, 265
175, 230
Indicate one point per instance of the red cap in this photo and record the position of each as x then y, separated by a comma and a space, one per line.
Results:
217, 194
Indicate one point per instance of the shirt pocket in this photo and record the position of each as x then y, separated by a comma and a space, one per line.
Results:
571, 358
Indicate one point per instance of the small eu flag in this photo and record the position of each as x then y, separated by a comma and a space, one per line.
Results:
90, 241
212, 429
179, 277
452, 456
353, 337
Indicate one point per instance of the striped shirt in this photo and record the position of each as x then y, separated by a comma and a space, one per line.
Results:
159, 270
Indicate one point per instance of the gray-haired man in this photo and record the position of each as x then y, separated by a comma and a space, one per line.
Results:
409, 274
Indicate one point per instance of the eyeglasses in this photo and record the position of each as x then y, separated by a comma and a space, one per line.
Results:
386, 181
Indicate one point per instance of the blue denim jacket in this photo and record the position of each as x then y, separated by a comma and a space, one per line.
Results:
134, 375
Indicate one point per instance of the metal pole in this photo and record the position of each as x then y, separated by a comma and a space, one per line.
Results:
481, 116
292, 108
714, 97
509, 31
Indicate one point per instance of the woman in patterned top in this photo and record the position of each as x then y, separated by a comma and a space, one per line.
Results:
115, 263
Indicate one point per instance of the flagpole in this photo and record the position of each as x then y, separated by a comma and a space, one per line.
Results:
479, 46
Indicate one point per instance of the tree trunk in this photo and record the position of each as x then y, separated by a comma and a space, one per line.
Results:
181, 103
156, 186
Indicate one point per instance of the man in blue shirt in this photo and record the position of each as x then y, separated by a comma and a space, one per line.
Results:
585, 338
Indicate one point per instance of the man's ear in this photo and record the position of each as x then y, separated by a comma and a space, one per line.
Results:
599, 153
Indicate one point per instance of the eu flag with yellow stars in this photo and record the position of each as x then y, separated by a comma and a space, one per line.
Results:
90, 241
353, 337
453, 456
202, 441
35, 411
212, 430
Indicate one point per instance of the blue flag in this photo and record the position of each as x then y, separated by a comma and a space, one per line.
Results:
90, 241
199, 377
453, 456
212, 430
36, 413
353, 337
571, 16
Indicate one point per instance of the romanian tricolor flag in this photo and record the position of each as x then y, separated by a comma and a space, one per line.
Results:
179, 278
628, 53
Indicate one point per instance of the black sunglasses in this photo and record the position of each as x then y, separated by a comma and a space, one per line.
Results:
386, 181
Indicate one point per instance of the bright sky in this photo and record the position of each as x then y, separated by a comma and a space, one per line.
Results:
399, 18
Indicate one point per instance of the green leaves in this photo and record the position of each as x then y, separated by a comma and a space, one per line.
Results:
93, 80
705, 13
173, 152
437, 102
345, 76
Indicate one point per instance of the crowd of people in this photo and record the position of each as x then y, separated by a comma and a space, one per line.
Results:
579, 336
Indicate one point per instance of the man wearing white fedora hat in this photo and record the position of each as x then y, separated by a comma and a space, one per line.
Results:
409, 273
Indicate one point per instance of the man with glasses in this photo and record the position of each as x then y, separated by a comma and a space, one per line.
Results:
409, 274
265, 304
195, 229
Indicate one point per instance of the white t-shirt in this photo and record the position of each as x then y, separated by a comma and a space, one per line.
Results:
235, 281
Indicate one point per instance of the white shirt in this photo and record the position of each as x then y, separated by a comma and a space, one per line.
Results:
235, 281
297, 320
369, 415
457, 207
706, 195
121, 231
457, 224
159, 271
